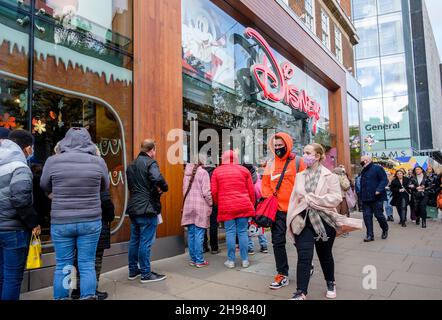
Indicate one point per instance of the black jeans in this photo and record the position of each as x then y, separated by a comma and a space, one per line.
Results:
420, 206
213, 231
305, 244
376, 208
279, 229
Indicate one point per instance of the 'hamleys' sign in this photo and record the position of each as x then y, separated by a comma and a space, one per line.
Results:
273, 81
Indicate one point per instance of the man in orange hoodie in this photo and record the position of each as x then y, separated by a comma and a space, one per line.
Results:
281, 146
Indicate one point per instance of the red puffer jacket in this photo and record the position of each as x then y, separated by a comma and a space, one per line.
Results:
232, 189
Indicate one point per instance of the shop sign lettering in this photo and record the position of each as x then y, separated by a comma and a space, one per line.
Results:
275, 86
381, 127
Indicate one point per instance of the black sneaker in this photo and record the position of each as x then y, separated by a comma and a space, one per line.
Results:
299, 295
264, 250
251, 252
75, 294
153, 277
101, 295
384, 234
312, 270
133, 276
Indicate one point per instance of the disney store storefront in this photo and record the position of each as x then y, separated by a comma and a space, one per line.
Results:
127, 71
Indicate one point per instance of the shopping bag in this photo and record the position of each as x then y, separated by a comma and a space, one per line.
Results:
346, 225
266, 212
439, 200
431, 212
350, 197
34, 255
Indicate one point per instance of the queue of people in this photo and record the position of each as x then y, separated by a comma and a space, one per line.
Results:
312, 202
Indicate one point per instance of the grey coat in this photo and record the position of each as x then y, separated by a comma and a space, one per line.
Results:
16, 211
75, 177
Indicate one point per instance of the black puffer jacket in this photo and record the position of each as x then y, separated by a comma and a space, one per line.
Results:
144, 179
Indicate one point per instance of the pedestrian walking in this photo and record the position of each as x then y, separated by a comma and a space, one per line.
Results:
373, 194
212, 239
146, 185
401, 195
281, 146
312, 220
420, 186
233, 192
345, 185
260, 232
358, 191
17, 217
196, 210
75, 217
387, 204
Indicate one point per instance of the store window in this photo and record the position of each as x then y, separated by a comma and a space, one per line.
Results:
325, 23
83, 76
373, 133
219, 89
354, 133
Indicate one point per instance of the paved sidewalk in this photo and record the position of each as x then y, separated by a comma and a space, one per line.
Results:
408, 264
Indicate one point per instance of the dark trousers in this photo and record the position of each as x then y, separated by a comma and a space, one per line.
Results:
279, 229
375, 208
420, 207
213, 232
402, 211
305, 244
98, 265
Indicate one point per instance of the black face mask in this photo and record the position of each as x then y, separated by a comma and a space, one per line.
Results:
362, 163
280, 153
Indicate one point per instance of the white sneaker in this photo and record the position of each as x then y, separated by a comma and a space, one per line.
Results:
245, 264
229, 264
331, 290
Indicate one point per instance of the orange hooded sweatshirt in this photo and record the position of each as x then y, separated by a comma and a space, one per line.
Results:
273, 172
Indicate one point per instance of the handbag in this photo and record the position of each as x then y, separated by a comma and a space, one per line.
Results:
346, 225
267, 208
439, 200
34, 256
350, 197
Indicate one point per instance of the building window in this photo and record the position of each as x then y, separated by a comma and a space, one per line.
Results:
338, 44
325, 22
309, 17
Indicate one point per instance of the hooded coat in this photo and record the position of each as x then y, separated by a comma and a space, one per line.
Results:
16, 213
75, 177
232, 189
273, 172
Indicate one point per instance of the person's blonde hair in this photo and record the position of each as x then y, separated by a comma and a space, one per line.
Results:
319, 149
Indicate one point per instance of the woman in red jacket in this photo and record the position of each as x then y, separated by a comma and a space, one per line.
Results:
233, 192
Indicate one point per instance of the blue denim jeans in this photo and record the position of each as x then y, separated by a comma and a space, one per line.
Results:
233, 227
142, 236
195, 239
13, 253
67, 238
261, 239
388, 207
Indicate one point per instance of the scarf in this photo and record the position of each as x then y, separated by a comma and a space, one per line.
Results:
317, 217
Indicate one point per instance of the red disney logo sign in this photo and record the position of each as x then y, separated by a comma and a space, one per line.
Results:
274, 86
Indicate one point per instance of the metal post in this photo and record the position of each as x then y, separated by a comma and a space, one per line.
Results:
31, 64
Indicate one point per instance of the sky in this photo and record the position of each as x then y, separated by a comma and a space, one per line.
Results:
434, 9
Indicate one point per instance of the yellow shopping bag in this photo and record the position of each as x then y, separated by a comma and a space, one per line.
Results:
34, 255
